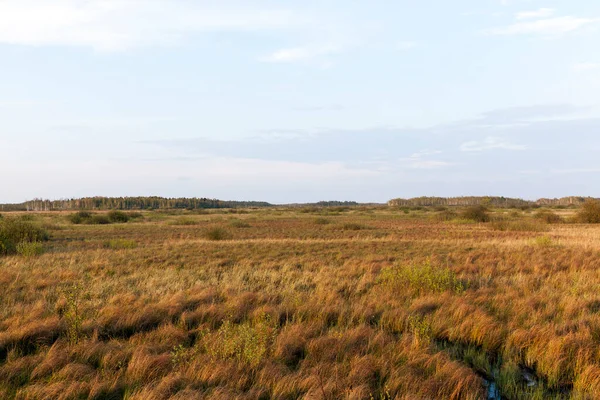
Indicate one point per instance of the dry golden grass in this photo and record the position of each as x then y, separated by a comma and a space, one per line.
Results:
406, 307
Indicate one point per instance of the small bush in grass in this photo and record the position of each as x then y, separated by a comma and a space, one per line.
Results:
30, 249
544, 241
423, 278
98, 220
352, 226
248, 343
15, 231
476, 213
117, 217
322, 221
80, 217
135, 215
217, 234
548, 217
589, 212
120, 244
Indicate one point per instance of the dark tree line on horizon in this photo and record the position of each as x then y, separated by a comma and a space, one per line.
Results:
129, 203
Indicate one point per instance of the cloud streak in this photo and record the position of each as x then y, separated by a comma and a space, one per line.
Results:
490, 143
113, 25
545, 27
541, 13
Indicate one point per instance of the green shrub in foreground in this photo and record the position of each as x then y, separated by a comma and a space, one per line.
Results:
216, 234
30, 249
423, 278
14, 232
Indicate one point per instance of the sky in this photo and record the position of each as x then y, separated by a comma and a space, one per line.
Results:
299, 101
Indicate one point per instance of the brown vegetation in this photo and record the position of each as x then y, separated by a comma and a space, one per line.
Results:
285, 304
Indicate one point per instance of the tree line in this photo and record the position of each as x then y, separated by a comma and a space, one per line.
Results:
129, 203
493, 201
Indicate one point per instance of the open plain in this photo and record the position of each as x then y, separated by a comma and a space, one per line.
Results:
312, 303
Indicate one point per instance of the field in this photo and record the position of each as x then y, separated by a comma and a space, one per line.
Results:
340, 303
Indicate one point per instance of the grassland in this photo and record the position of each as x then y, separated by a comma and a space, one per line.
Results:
350, 303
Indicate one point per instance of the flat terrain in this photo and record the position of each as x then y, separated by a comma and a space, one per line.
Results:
350, 303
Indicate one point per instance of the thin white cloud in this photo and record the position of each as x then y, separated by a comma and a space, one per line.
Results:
425, 153
490, 143
110, 25
417, 160
541, 13
585, 66
296, 54
548, 27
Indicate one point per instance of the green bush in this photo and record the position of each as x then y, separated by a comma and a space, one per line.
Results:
216, 234
423, 278
135, 215
117, 217
476, 213
15, 231
30, 249
322, 221
81, 217
99, 220
548, 217
352, 226
120, 244
589, 212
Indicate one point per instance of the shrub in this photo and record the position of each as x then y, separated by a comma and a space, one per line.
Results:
476, 213
352, 226
99, 220
248, 343
80, 217
423, 278
30, 249
14, 232
135, 215
216, 234
543, 241
119, 244
589, 212
117, 217
322, 221
548, 217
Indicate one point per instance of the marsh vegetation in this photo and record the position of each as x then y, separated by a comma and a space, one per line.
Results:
286, 303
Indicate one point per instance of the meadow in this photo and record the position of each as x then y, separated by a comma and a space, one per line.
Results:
301, 303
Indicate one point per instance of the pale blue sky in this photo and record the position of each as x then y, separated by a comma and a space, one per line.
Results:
289, 101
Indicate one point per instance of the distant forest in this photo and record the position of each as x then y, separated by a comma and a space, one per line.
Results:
162, 203
487, 201
129, 203
150, 203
